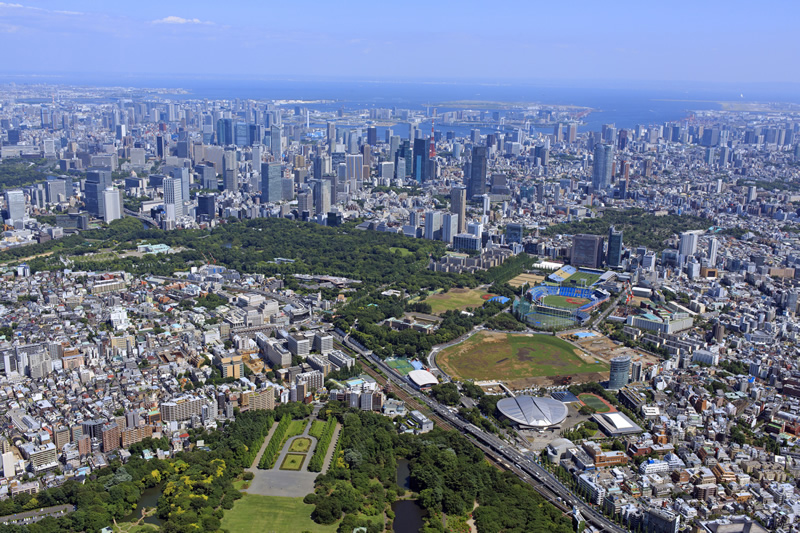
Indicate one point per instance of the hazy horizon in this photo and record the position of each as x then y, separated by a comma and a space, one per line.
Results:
580, 43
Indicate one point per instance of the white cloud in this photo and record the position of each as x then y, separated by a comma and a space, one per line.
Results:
179, 20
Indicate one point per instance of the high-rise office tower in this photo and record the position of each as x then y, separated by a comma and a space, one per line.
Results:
271, 186
620, 372
230, 172
476, 185
112, 205
275, 146
713, 249
372, 136
355, 170
603, 164
688, 245
458, 206
420, 171
587, 251
225, 131
403, 159
15, 204
572, 132
614, 255
322, 197
173, 197
207, 206
161, 147
433, 225
97, 181
449, 227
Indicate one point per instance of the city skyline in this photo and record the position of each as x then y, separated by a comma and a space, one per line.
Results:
708, 43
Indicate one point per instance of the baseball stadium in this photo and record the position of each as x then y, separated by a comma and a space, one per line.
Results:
553, 306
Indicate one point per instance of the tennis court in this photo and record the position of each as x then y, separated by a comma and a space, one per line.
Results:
401, 365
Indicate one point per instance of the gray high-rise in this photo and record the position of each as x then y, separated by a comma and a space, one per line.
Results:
271, 187
603, 164
15, 204
614, 255
620, 372
458, 206
97, 181
477, 178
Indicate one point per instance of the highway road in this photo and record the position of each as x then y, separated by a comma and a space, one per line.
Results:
500, 451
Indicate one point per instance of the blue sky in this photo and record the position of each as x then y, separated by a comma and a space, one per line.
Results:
698, 41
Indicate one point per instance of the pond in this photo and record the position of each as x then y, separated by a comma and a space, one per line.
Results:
148, 500
408, 516
403, 474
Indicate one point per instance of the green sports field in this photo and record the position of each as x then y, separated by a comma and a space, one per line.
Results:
575, 279
455, 299
594, 402
507, 356
258, 514
564, 302
401, 365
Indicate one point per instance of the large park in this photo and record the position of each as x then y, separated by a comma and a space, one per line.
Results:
518, 358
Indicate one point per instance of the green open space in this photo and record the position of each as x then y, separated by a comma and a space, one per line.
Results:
257, 514
594, 402
316, 428
293, 461
564, 302
300, 445
296, 428
405, 252
575, 279
401, 365
543, 321
456, 300
506, 356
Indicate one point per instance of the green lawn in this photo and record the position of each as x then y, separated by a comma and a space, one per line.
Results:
300, 445
403, 251
296, 428
455, 299
316, 428
488, 355
594, 402
564, 302
293, 461
266, 514
577, 277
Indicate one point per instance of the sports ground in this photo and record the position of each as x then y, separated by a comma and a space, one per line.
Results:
456, 300
507, 356
575, 279
564, 302
401, 365
595, 402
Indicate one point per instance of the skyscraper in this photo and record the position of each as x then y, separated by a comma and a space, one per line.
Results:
173, 198
207, 206
614, 256
420, 172
112, 205
372, 136
587, 251
230, 174
433, 225
275, 141
15, 204
97, 181
620, 372
603, 162
713, 249
322, 196
355, 170
449, 227
271, 187
458, 206
477, 178
688, 245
